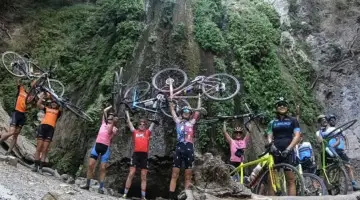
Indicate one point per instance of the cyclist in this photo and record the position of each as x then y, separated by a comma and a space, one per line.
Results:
46, 130
17, 118
337, 146
306, 156
141, 139
184, 151
237, 145
284, 133
101, 149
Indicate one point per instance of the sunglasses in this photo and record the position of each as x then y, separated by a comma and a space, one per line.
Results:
282, 105
186, 111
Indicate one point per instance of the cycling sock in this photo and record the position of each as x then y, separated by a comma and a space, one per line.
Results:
88, 182
101, 184
126, 191
143, 193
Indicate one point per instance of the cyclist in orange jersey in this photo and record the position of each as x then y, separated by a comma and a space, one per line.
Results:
17, 118
45, 131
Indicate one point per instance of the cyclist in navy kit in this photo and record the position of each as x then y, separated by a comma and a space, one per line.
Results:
284, 133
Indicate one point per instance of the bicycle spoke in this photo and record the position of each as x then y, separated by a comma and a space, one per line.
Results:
225, 88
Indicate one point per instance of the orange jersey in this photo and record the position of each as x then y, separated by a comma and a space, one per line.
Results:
141, 140
20, 101
51, 116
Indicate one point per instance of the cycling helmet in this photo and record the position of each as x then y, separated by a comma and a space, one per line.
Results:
320, 118
186, 109
331, 116
281, 101
238, 129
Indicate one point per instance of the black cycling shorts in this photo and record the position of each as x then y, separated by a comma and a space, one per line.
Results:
45, 132
235, 164
101, 150
290, 159
184, 153
17, 119
139, 160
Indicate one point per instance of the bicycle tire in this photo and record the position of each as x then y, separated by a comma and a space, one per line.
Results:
121, 74
8, 65
264, 177
343, 127
232, 94
129, 94
165, 109
163, 85
77, 111
59, 92
335, 186
323, 189
114, 92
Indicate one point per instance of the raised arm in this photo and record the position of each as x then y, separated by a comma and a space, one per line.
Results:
197, 112
151, 127
105, 113
226, 134
130, 124
39, 102
173, 113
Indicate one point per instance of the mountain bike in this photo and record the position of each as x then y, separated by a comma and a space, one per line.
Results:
24, 68
276, 172
217, 87
334, 173
40, 85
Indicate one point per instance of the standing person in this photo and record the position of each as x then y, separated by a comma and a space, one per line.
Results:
306, 156
284, 133
237, 145
101, 149
45, 131
18, 117
141, 139
334, 144
184, 151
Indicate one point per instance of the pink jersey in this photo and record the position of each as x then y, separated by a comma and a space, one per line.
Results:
237, 144
103, 136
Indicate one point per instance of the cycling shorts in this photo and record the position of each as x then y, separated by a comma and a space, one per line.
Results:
18, 119
45, 132
184, 153
139, 160
101, 150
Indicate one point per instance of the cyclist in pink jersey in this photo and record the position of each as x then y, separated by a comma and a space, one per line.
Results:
101, 148
184, 152
237, 145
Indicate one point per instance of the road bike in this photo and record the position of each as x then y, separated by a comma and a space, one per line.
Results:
217, 87
333, 168
24, 68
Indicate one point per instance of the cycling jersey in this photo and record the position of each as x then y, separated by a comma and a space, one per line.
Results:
283, 130
51, 116
21, 99
141, 140
325, 132
234, 146
185, 131
104, 137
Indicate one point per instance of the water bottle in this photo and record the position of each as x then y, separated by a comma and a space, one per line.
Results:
148, 103
327, 149
255, 172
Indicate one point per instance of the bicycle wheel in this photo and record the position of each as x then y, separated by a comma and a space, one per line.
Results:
57, 87
235, 176
77, 111
314, 185
14, 64
137, 91
179, 103
341, 128
220, 86
178, 75
338, 180
115, 91
282, 191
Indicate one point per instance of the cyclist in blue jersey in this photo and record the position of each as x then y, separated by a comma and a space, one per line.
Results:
284, 133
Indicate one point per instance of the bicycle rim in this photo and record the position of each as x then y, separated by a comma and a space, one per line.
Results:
298, 180
159, 80
137, 91
165, 109
77, 111
114, 92
338, 180
314, 185
220, 86
57, 87
9, 58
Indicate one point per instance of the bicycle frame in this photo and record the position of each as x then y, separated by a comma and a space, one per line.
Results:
324, 144
268, 159
136, 104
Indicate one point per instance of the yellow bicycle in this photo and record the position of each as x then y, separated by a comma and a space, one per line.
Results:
277, 176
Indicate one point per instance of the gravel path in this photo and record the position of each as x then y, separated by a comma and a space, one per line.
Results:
19, 183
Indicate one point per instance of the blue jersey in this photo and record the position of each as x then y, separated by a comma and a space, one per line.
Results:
283, 131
